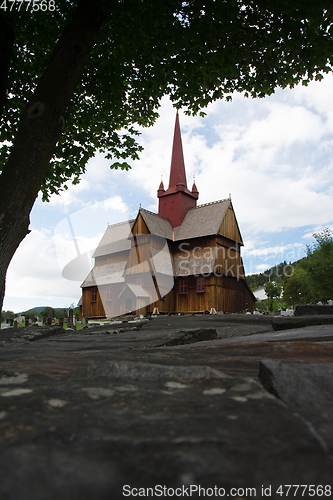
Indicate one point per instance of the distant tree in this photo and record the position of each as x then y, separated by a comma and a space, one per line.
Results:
59, 313
45, 312
272, 290
319, 265
76, 313
295, 285
10, 314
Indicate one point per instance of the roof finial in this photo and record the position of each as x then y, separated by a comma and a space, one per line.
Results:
229, 196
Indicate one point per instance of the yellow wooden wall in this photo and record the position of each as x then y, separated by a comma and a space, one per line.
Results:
229, 227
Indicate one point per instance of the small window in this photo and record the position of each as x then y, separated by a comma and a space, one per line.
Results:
183, 285
200, 285
93, 294
139, 281
108, 294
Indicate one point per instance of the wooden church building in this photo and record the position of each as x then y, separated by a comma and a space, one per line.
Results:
185, 259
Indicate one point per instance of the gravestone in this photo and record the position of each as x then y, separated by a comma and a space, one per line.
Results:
27, 320
49, 319
70, 322
61, 322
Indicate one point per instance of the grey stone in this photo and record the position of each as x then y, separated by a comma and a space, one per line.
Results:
106, 411
307, 388
313, 309
150, 371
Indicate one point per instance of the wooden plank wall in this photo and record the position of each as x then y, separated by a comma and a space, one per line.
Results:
140, 227
229, 227
92, 309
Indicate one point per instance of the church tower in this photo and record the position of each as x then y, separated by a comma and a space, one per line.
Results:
175, 202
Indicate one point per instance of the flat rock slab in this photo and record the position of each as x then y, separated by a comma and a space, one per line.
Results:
82, 415
307, 388
24, 334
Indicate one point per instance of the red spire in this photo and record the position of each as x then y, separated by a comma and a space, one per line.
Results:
195, 190
177, 170
161, 189
175, 202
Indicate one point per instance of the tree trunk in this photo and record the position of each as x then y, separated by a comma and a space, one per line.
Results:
40, 128
6, 52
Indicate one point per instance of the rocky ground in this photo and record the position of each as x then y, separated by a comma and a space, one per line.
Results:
207, 406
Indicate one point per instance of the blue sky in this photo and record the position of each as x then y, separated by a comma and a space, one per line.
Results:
273, 155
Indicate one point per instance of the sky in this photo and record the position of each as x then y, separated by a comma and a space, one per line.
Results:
274, 156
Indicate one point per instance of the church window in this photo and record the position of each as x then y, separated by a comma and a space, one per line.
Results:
183, 285
94, 294
200, 284
139, 281
108, 294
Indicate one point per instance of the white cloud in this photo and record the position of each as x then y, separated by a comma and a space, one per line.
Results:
34, 273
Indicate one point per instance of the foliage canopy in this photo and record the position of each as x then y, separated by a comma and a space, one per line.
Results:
193, 51
312, 280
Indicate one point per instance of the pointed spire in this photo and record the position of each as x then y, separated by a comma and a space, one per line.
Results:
194, 187
161, 189
175, 202
177, 170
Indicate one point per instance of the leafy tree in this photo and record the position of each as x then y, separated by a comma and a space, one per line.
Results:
45, 312
59, 313
296, 284
319, 265
272, 290
10, 314
78, 79
76, 313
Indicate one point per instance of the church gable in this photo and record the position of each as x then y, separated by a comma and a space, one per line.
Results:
229, 227
140, 226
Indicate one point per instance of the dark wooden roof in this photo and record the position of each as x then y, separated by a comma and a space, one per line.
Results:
106, 274
115, 239
204, 220
158, 225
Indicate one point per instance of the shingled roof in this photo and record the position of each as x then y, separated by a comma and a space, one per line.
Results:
115, 239
106, 274
158, 225
204, 220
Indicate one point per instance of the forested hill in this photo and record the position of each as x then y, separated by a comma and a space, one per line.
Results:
276, 273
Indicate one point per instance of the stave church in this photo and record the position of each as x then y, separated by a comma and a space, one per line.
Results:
186, 259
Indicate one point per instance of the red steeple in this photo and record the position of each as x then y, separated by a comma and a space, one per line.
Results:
161, 189
177, 199
177, 170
